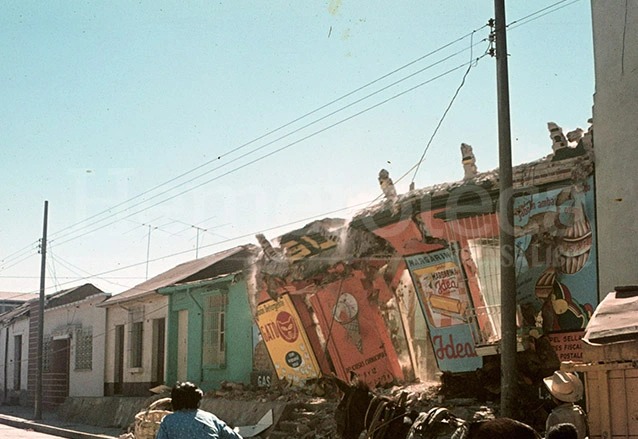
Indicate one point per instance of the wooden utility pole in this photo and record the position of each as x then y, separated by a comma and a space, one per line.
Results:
40, 355
506, 220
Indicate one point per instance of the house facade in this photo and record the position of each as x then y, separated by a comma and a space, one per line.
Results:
74, 359
137, 323
210, 331
73, 347
135, 342
14, 345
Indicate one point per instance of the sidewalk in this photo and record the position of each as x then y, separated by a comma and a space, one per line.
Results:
22, 417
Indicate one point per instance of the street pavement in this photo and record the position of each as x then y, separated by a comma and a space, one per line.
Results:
20, 424
9, 432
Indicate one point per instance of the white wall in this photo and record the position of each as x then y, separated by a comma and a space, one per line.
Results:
18, 327
83, 314
615, 26
155, 307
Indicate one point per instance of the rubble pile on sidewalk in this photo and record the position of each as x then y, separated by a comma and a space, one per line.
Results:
311, 413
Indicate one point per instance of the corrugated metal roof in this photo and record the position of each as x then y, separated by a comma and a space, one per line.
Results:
59, 298
615, 319
182, 272
72, 295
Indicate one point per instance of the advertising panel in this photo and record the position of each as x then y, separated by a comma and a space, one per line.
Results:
286, 340
357, 335
444, 298
556, 258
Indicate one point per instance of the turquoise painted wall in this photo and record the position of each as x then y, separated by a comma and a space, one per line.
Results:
239, 337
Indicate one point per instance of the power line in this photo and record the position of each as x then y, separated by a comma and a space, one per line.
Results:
436, 129
409, 90
421, 58
538, 14
251, 234
314, 122
519, 22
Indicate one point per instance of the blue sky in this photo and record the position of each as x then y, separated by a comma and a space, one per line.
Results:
102, 102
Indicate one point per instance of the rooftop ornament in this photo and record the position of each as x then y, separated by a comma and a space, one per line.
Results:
469, 161
387, 186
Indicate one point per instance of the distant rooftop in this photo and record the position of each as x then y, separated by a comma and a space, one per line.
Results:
16, 297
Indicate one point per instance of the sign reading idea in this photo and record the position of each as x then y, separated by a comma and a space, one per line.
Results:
444, 298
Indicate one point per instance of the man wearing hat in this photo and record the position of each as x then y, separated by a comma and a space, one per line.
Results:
566, 389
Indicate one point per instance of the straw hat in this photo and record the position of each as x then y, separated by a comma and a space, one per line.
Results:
565, 386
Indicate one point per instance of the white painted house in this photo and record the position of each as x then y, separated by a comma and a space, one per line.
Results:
73, 347
14, 343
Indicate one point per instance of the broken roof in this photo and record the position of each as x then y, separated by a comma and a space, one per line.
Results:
59, 298
224, 262
539, 173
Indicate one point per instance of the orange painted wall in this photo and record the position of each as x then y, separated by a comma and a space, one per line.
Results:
358, 340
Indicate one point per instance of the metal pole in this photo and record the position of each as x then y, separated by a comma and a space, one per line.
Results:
506, 214
197, 244
148, 249
40, 355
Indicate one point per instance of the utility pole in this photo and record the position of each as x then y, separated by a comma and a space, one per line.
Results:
506, 220
148, 248
199, 229
40, 354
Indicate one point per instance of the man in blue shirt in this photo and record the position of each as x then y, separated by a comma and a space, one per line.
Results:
188, 421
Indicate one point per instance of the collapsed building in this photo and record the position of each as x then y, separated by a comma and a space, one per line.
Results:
410, 286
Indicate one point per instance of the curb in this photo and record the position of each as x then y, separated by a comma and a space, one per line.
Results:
49, 429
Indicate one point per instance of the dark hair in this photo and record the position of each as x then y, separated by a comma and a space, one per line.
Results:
562, 431
186, 396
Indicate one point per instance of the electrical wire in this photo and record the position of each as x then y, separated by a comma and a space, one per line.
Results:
436, 129
519, 22
411, 89
403, 67
314, 122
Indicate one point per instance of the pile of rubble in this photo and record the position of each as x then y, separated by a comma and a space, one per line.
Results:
310, 412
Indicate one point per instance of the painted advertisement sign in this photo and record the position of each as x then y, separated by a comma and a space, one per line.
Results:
556, 258
444, 298
356, 333
568, 345
286, 340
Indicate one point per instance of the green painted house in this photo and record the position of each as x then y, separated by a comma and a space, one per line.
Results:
210, 324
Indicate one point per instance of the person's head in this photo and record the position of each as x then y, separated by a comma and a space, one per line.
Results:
562, 431
564, 386
186, 396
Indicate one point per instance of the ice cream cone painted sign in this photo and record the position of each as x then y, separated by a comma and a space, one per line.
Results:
444, 298
357, 336
286, 340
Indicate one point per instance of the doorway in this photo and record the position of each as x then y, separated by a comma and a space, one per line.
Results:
118, 376
182, 345
159, 351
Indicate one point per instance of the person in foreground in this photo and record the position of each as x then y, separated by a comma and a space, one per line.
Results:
562, 431
188, 421
566, 389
